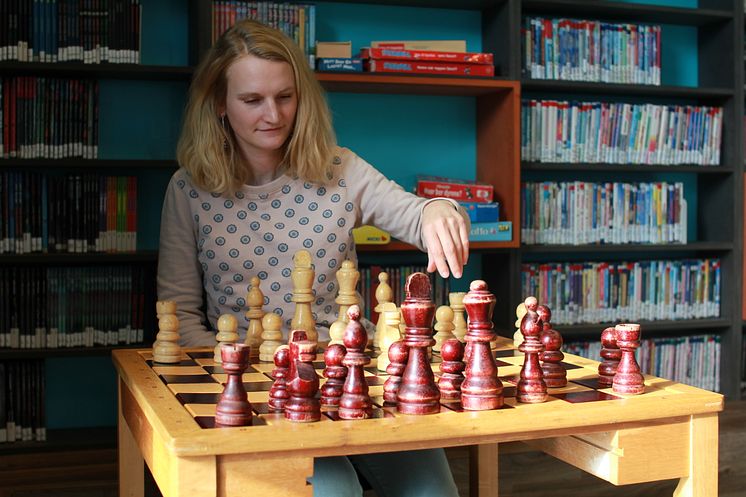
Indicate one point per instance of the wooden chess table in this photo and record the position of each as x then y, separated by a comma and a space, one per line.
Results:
166, 419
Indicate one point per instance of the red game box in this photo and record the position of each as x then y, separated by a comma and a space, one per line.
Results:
457, 189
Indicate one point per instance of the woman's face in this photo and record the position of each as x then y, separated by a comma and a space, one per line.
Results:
261, 102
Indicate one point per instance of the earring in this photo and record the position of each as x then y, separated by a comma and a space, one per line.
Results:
225, 132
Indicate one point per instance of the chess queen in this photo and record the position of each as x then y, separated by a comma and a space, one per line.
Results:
262, 178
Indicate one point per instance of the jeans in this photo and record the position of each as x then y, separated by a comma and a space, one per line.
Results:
417, 473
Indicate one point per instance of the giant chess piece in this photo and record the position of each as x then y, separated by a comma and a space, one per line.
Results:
390, 317
355, 402
452, 369
303, 382
347, 278
456, 301
628, 379
418, 393
555, 375
234, 408
302, 276
335, 373
443, 326
384, 295
531, 388
227, 333
611, 356
482, 389
166, 347
271, 336
398, 354
278, 392
255, 300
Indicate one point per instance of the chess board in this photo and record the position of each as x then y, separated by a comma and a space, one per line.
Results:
197, 382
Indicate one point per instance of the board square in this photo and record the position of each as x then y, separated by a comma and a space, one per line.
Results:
183, 362
192, 378
586, 396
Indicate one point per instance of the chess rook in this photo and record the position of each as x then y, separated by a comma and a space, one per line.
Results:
278, 393
555, 375
302, 277
531, 388
234, 408
355, 402
335, 373
418, 393
452, 369
482, 389
611, 355
166, 349
398, 354
303, 382
628, 379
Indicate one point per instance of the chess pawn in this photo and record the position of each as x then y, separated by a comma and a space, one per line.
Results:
234, 408
355, 402
255, 300
390, 317
384, 294
227, 333
451, 369
481, 389
335, 373
555, 375
278, 392
302, 276
166, 347
520, 311
611, 355
303, 382
347, 278
271, 336
531, 388
398, 354
443, 326
628, 379
456, 301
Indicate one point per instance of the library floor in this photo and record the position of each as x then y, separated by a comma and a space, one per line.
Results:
522, 473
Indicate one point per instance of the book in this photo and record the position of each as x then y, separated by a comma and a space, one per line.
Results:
482, 212
418, 67
444, 45
457, 189
370, 235
501, 231
339, 64
333, 50
427, 55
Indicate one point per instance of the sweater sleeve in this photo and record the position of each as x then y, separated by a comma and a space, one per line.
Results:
179, 273
385, 204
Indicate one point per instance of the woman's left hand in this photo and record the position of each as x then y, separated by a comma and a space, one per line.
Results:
446, 235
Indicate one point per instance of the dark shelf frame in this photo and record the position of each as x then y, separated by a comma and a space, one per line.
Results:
79, 163
632, 90
97, 71
575, 167
649, 328
66, 439
97, 351
631, 247
143, 256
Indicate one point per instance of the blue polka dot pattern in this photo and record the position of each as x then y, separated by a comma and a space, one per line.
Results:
273, 261
349, 207
289, 213
283, 247
293, 233
299, 199
206, 206
321, 278
280, 226
223, 266
286, 272
276, 204
252, 206
258, 250
231, 228
233, 253
268, 237
220, 241
266, 217
321, 191
229, 290
318, 228
336, 198
303, 221
228, 204
240, 301
255, 225
245, 239
275, 286
238, 278
242, 215
262, 275
313, 206
327, 213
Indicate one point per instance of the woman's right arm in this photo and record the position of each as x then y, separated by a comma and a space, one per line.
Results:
179, 271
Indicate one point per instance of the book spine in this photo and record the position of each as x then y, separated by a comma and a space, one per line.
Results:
430, 68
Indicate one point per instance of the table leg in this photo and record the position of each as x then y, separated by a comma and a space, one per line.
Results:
266, 476
483, 470
131, 463
703, 458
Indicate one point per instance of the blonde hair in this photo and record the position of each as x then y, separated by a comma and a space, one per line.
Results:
207, 149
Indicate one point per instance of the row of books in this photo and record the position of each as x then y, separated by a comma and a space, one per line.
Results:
22, 403
89, 31
48, 118
71, 306
72, 213
297, 21
694, 360
427, 62
584, 50
579, 212
620, 133
397, 281
650, 290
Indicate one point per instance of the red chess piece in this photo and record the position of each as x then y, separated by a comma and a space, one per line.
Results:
303, 382
335, 374
628, 379
531, 388
234, 408
452, 368
481, 389
355, 402
398, 354
278, 392
555, 375
611, 355
418, 393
